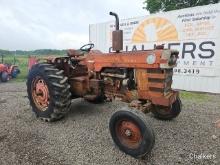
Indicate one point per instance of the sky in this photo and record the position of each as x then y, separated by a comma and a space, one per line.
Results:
57, 24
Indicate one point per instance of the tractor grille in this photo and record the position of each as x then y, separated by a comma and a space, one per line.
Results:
159, 81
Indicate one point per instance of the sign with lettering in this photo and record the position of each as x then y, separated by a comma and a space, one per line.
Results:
195, 33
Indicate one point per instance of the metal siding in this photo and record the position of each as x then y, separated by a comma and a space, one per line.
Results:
199, 84
98, 36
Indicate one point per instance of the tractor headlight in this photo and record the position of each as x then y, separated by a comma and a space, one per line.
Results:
151, 59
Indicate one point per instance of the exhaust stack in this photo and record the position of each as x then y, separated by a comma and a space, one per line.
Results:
117, 35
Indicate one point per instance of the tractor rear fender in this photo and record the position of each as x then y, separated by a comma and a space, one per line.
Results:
51, 60
56, 60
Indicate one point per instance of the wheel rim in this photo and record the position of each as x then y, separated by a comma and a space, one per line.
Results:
128, 133
40, 94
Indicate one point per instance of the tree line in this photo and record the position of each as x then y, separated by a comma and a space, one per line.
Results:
33, 52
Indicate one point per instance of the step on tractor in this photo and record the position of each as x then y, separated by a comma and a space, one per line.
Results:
143, 79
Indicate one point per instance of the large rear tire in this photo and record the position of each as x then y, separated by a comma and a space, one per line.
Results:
48, 92
168, 113
132, 133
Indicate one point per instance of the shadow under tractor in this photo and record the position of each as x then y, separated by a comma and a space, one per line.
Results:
143, 79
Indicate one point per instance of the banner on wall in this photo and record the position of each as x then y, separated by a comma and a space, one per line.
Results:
194, 32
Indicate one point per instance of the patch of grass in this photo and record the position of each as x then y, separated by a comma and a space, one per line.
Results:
194, 96
22, 76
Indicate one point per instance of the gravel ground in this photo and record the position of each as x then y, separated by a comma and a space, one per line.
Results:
82, 137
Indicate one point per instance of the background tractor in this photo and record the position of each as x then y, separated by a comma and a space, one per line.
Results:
143, 79
8, 71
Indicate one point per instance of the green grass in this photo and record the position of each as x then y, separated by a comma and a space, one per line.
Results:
194, 96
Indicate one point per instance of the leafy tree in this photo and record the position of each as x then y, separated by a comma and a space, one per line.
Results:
154, 6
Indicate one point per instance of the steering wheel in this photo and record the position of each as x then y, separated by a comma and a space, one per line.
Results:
87, 47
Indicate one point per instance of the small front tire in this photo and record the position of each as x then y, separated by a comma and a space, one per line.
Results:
132, 133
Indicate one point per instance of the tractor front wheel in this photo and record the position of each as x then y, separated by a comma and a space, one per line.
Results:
4, 77
132, 133
168, 113
48, 92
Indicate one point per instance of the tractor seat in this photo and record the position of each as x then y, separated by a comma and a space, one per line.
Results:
74, 53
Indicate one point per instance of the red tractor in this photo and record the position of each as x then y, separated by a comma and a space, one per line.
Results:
8, 71
143, 79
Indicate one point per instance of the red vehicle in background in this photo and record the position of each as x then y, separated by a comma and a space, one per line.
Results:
8, 72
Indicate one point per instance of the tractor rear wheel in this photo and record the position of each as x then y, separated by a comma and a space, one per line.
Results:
168, 113
48, 92
4, 77
132, 133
